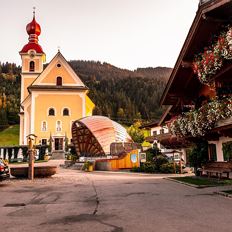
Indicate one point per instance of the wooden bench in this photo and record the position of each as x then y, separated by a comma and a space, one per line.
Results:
218, 168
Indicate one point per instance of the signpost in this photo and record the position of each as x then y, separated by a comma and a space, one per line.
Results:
31, 138
143, 157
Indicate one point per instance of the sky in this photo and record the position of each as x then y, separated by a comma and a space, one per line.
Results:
124, 33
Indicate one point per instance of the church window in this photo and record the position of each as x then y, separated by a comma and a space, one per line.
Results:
44, 126
32, 66
65, 112
51, 112
59, 81
58, 65
58, 126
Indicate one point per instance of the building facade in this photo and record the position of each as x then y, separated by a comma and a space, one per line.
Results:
199, 90
51, 98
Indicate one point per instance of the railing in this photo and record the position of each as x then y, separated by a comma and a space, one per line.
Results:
16, 153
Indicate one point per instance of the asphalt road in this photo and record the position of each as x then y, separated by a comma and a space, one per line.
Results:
107, 202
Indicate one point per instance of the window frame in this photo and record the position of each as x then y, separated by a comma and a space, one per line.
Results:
59, 81
46, 129
32, 67
50, 109
60, 125
66, 108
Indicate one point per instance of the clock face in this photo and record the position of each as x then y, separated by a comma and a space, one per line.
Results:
32, 54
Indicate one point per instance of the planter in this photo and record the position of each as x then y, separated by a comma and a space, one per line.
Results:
40, 171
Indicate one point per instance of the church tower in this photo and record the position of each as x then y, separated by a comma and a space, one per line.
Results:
33, 57
51, 99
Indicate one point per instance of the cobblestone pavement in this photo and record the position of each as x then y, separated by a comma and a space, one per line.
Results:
110, 202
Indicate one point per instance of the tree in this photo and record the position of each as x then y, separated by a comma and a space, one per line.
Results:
136, 133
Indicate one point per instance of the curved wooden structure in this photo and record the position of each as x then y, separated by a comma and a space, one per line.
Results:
93, 135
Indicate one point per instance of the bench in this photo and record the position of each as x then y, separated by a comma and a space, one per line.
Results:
218, 168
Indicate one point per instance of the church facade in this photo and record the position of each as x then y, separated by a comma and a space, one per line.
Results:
51, 98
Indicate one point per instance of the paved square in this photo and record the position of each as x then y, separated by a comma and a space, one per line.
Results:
108, 202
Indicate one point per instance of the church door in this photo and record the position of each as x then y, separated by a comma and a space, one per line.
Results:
58, 144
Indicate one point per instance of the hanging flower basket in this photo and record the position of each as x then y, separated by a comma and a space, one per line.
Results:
207, 63
198, 122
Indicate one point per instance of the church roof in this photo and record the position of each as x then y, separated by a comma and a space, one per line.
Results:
58, 58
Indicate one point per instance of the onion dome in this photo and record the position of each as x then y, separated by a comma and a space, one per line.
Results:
33, 30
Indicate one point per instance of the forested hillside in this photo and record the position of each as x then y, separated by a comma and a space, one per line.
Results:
122, 94
9, 94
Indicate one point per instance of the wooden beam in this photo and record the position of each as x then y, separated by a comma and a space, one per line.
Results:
216, 20
186, 64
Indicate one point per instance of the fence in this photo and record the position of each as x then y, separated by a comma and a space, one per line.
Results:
16, 153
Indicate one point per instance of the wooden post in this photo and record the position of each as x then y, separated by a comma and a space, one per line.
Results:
174, 163
31, 165
180, 166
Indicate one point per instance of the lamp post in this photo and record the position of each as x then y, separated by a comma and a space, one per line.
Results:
31, 139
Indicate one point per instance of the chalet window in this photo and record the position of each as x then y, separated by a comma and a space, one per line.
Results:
58, 126
59, 81
44, 126
51, 112
32, 66
162, 131
154, 133
65, 112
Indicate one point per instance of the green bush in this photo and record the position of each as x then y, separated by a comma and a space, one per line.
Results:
169, 168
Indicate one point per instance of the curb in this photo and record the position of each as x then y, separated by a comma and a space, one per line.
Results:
227, 195
190, 185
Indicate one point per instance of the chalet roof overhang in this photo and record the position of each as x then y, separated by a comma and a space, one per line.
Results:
183, 85
173, 142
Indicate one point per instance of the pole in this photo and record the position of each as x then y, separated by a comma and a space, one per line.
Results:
31, 165
174, 163
180, 166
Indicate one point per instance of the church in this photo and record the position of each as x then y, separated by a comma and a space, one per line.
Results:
51, 98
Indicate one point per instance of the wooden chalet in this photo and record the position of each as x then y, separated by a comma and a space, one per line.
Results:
199, 91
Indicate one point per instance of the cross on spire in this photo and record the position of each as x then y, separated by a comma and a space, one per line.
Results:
34, 11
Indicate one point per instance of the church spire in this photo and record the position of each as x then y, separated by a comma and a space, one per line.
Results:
33, 30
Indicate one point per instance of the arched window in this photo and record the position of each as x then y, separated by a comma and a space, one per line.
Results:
65, 112
58, 126
59, 81
51, 112
44, 126
32, 66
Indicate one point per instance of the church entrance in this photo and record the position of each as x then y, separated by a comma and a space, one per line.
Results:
59, 144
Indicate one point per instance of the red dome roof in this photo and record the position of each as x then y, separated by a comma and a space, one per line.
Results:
33, 46
33, 27
33, 30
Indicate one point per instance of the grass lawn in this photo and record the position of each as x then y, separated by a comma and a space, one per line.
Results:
228, 191
201, 181
10, 136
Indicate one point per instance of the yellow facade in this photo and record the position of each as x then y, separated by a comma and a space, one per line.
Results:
51, 99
